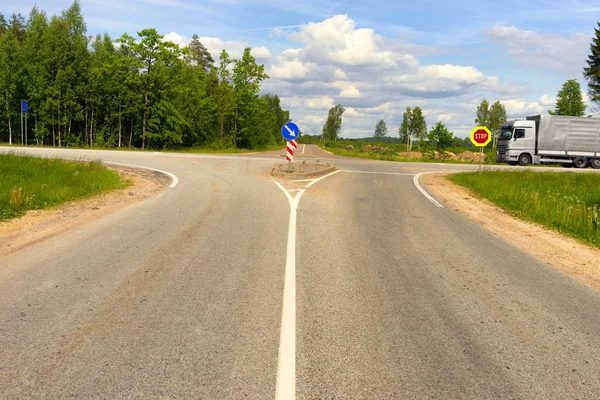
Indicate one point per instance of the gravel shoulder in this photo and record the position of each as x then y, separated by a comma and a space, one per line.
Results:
567, 255
38, 225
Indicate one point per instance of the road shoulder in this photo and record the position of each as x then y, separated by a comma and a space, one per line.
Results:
567, 255
38, 225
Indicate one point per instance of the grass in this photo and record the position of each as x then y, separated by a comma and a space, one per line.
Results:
563, 201
33, 183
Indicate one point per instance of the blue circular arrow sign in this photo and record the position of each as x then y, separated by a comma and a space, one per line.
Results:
290, 131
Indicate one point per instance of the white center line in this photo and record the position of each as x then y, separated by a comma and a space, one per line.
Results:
303, 148
286, 365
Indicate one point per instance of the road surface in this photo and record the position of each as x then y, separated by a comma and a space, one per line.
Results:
388, 294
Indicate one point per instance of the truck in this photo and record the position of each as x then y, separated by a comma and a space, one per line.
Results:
550, 139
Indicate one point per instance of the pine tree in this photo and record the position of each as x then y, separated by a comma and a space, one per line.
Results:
198, 55
592, 71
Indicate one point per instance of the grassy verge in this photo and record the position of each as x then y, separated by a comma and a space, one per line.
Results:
32, 183
566, 202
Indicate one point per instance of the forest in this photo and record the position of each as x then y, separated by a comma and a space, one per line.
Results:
133, 91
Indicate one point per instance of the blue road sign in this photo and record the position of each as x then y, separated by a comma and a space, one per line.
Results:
24, 106
290, 131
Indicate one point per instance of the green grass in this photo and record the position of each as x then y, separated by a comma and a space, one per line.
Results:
564, 201
33, 183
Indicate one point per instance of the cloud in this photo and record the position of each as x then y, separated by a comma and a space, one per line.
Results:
565, 54
322, 102
261, 53
275, 33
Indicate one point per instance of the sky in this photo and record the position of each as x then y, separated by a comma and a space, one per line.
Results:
377, 58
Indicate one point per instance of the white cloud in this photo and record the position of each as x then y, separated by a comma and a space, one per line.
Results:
323, 102
261, 53
566, 54
275, 33
291, 70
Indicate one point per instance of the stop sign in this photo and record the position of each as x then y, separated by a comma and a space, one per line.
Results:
481, 136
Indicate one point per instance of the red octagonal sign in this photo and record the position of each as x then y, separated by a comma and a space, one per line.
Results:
481, 136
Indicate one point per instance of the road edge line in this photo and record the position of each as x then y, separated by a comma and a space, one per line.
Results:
429, 197
174, 179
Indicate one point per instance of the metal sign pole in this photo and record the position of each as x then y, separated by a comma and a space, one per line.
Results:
26, 129
21, 141
480, 154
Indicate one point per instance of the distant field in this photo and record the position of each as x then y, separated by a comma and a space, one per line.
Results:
31, 183
567, 202
392, 155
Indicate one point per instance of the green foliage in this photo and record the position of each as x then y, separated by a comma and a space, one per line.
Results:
403, 130
380, 130
592, 71
566, 202
482, 117
144, 92
31, 183
413, 126
440, 136
496, 117
333, 125
569, 100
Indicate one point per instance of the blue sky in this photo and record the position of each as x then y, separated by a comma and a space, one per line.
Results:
377, 57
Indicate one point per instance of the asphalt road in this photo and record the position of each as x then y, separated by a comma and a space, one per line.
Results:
392, 296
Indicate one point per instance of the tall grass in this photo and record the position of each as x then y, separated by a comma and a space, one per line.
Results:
31, 183
564, 201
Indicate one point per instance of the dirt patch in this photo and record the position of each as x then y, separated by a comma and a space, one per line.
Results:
469, 156
411, 154
568, 255
38, 225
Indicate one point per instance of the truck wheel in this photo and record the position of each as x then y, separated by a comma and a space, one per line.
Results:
580, 162
567, 165
524, 160
595, 163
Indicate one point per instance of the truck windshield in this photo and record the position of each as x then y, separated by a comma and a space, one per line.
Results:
506, 134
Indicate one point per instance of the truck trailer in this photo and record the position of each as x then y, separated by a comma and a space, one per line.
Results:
550, 139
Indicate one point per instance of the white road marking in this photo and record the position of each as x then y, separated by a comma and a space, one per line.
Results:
174, 179
434, 201
303, 148
286, 365
302, 180
376, 172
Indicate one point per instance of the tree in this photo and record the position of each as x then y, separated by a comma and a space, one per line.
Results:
569, 100
333, 125
496, 117
198, 55
404, 129
380, 130
418, 126
592, 71
247, 78
440, 136
143, 91
482, 117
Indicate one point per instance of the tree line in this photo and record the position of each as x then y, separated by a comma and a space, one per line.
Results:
138, 91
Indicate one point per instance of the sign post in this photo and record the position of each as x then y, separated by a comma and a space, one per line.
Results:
24, 111
290, 132
480, 137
